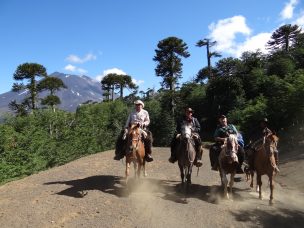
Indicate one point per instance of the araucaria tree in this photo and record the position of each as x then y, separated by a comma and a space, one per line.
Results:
284, 37
206, 42
168, 55
29, 72
52, 84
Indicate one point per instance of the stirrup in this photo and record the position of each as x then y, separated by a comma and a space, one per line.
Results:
148, 158
198, 163
276, 169
172, 160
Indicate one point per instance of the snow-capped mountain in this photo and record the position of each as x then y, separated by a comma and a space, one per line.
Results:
80, 89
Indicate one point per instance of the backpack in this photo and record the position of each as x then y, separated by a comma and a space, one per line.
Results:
240, 139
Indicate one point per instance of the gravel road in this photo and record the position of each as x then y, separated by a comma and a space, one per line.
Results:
90, 192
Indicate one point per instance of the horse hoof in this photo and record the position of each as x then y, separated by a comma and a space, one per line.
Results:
145, 174
270, 203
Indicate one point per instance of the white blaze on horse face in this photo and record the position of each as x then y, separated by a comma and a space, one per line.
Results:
186, 131
232, 141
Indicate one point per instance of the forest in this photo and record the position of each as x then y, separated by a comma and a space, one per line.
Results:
245, 89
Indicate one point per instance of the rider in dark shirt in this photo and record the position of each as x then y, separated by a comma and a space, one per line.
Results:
195, 126
223, 131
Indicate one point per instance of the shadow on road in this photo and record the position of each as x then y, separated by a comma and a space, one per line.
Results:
171, 190
278, 217
80, 187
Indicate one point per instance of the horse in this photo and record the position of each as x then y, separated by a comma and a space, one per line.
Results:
185, 153
264, 163
228, 162
135, 150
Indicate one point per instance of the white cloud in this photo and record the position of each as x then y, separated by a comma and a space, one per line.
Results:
76, 59
72, 68
300, 20
137, 82
253, 43
225, 31
287, 12
109, 71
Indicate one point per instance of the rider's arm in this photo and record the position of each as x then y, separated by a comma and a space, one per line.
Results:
197, 126
217, 137
146, 119
128, 121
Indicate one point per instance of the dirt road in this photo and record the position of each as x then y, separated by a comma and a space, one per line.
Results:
89, 193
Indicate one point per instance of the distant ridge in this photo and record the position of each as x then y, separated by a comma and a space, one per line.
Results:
80, 89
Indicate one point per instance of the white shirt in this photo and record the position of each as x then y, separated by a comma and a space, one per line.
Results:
141, 117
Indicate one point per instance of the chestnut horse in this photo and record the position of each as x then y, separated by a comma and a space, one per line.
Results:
228, 162
186, 153
264, 163
135, 150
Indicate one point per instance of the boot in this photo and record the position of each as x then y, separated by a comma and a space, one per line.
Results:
239, 169
198, 158
148, 147
148, 152
117, 157
172, 158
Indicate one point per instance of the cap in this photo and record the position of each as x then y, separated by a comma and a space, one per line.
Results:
222, 117
139, 102
265, 120
189, 110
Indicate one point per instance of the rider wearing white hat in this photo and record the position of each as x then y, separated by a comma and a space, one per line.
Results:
138, 116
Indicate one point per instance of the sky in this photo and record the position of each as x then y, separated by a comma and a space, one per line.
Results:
97, 37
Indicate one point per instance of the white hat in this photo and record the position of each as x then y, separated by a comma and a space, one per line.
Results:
139, 102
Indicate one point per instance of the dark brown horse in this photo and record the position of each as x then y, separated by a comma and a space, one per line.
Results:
228, 162
264, 163
186, 153
135, 150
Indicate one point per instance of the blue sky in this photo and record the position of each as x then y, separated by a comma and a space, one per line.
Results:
96, 37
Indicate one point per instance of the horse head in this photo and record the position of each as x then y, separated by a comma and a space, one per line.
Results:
231, 146
271, 143
186, 131
134, 136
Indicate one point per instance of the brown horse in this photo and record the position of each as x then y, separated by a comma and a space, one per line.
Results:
228, 162
186, 153
135, 150
264, 163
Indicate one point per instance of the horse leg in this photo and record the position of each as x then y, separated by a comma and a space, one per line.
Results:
127, 170
231, 182
144, 168
182, 173
224, 183
252, 176
139, 166
271, 190
135, 169
259, 183
189, 172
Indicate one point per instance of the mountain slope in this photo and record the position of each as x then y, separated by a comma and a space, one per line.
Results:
80, 89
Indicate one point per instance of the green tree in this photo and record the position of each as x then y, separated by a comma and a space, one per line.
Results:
284, 37
168, 55
206, 42
52, 84
29, 72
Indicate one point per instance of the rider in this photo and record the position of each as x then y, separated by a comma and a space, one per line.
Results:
257, 138
138, 116
188, 118
221, 133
